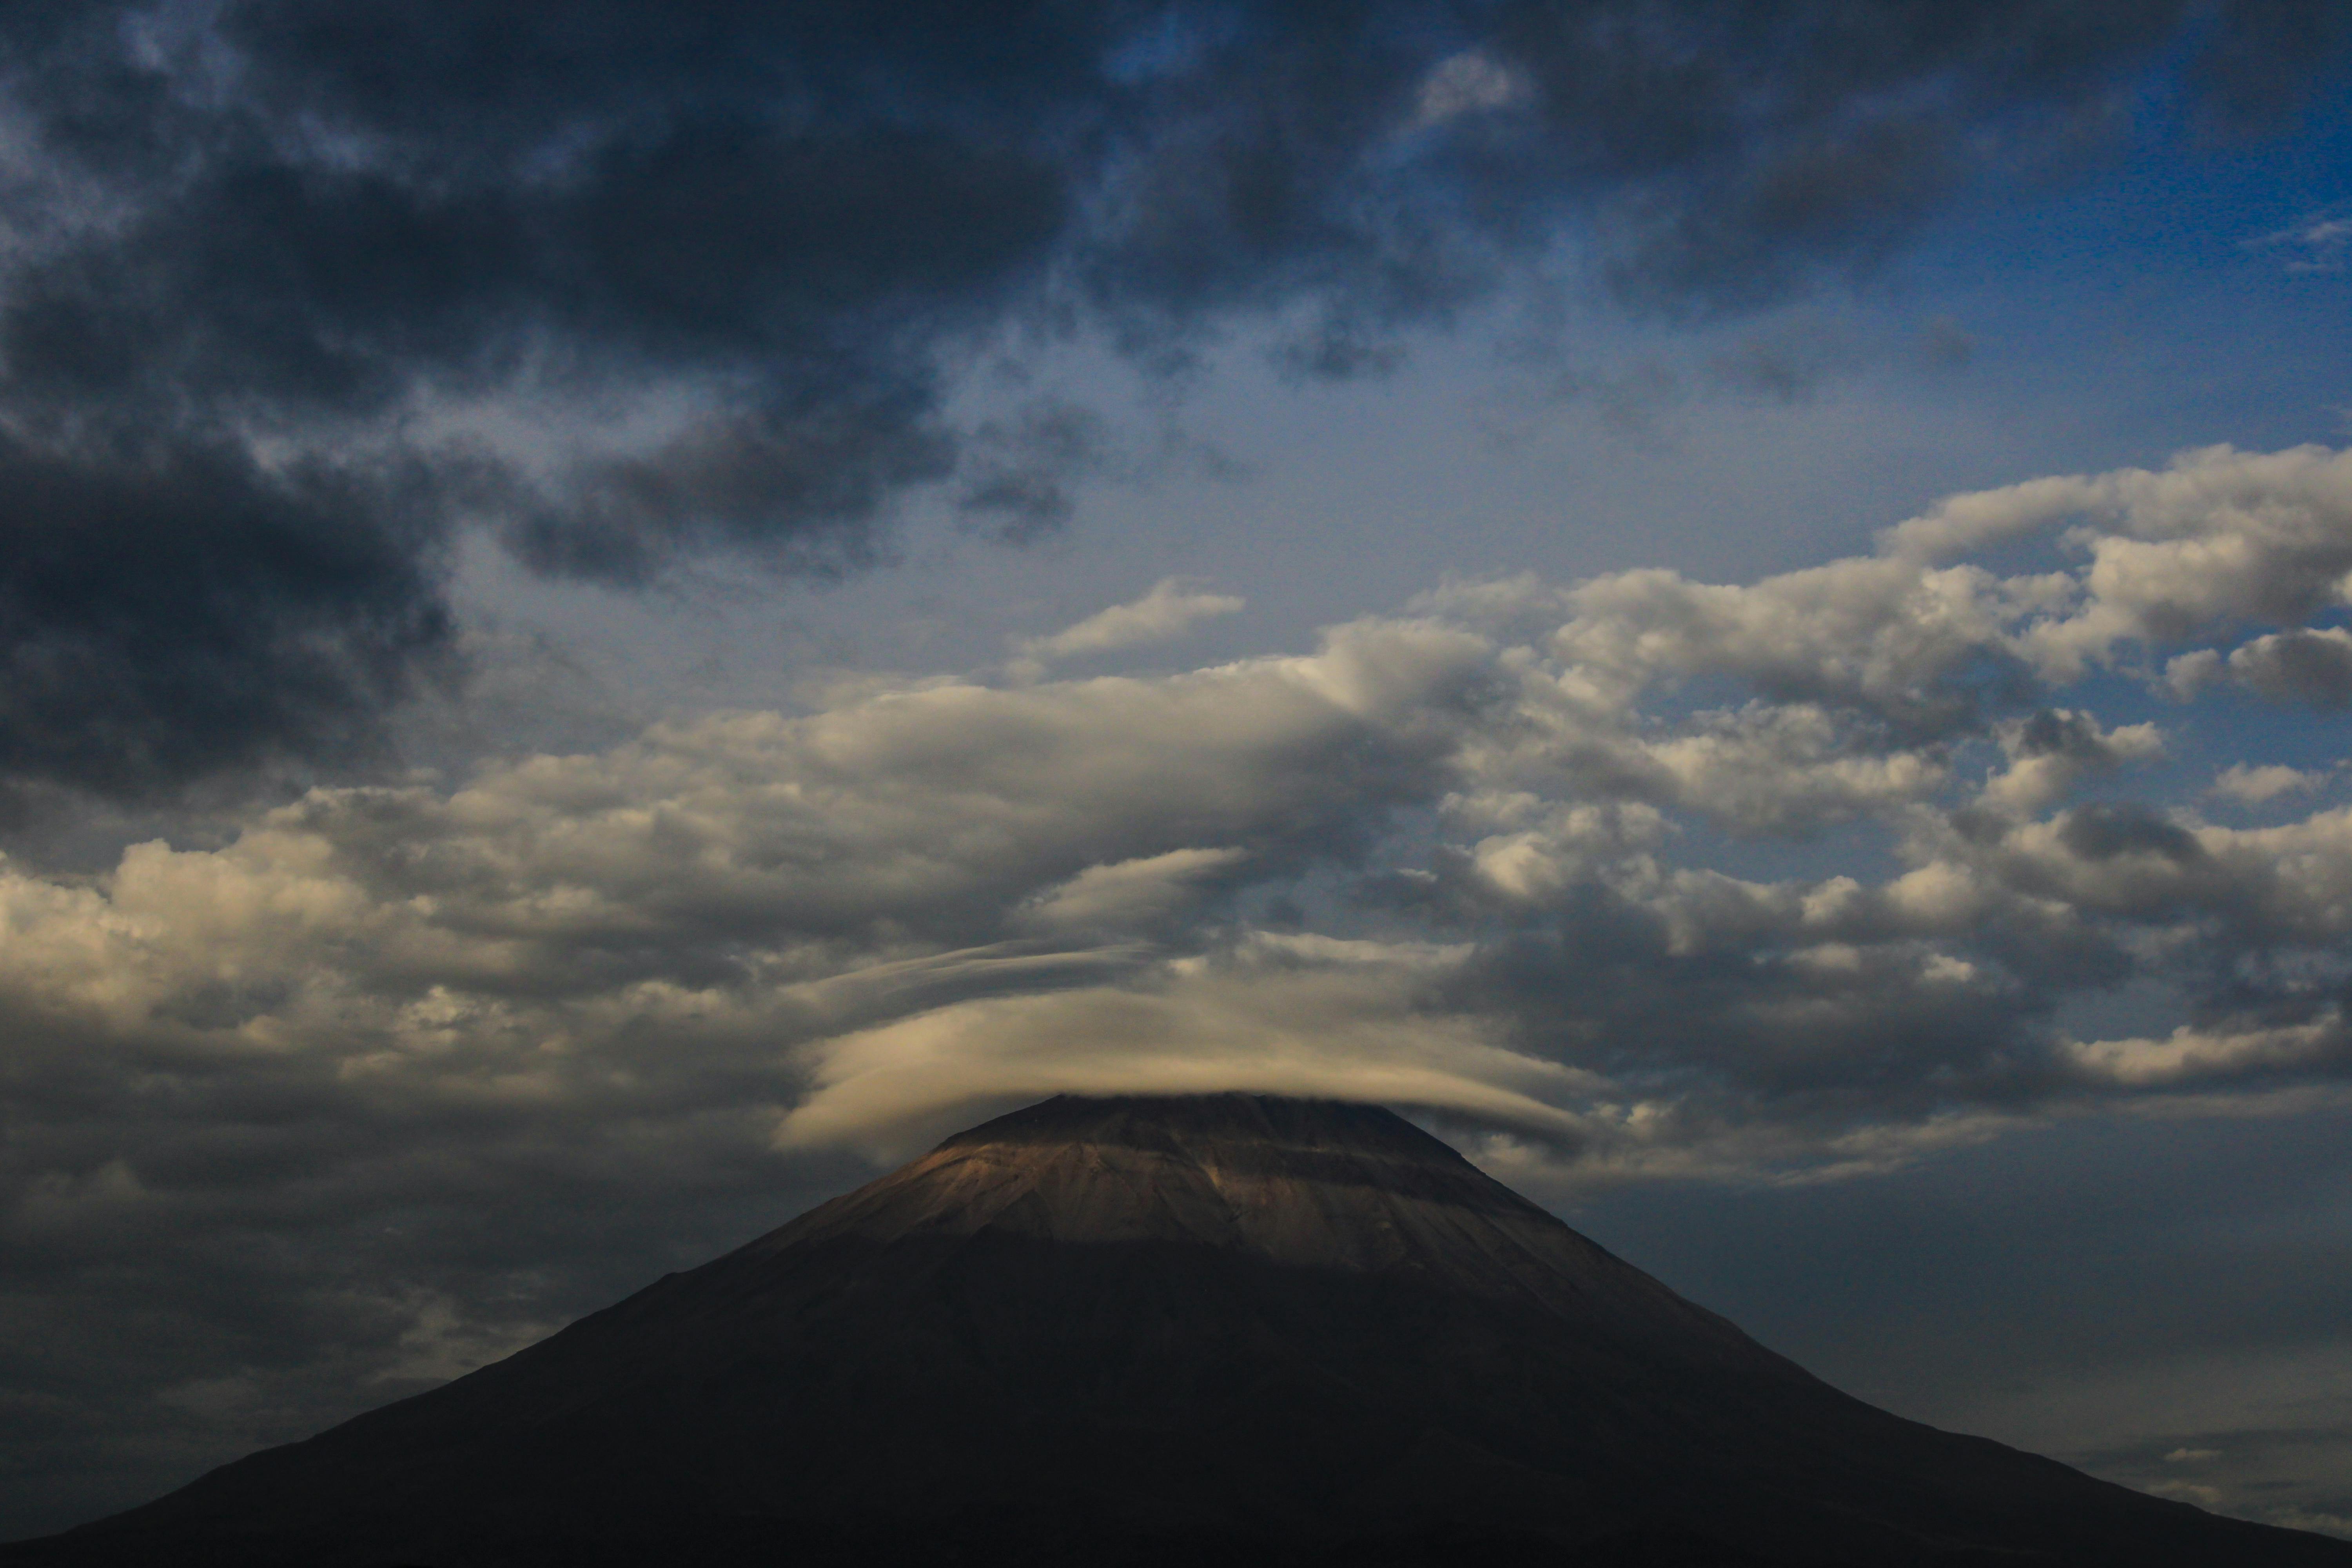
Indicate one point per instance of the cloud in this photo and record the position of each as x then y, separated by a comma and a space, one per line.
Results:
2313, 667
2260, 785
2319, 244
172, 606
772, 886
1150, 890
1170, 610
293, 302
2216, 540
1472, 82
1272, 1017
2056, 749
1524, 804
2190, 1052
1785, 882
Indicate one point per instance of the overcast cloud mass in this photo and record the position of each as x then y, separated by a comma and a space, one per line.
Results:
338, 342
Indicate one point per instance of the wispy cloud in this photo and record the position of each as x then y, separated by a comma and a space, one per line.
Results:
1169, 610
2321, 243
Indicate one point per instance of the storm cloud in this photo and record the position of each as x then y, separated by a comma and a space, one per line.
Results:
294, 296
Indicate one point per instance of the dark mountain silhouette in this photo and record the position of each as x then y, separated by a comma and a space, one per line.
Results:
1220, 1329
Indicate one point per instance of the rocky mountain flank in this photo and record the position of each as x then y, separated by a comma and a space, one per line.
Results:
1226, 1329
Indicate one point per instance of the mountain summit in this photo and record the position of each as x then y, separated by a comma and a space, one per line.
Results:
1221, 1328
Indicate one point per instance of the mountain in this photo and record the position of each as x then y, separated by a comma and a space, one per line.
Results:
1224, 1329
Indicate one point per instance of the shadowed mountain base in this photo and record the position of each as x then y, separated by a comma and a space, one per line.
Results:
1223, 1329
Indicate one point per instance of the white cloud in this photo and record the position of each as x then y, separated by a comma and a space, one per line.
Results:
2260, 785
2189, 1053
2055, 750
1170, 610
2218, 539
1278, 1022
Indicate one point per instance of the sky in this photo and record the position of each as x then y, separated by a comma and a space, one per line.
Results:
614, 618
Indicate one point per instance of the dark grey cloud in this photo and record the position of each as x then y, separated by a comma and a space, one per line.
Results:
2104, 831
2073, 736
830, 468
295, 262
169, 606
2301, 665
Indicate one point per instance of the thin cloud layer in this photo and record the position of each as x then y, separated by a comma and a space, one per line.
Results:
294, 295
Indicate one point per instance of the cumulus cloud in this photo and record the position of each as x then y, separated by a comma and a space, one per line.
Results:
1432, 777
2305, 666
1792, 879
2055, 750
